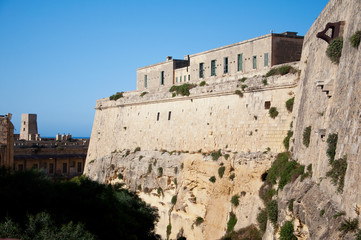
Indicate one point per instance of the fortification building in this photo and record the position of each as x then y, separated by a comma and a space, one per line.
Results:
6, 141
230, 61
29, 127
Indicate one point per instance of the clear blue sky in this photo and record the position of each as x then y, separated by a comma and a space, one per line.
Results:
57, 57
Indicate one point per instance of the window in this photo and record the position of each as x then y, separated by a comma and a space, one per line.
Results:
65, 167
24, 122
23, 129
35, 166
158, 115
225, 65
162, 78
266, 59
240, 62
180, 79
254, 62
213, 68
169, 115
176, 79
145, 81
185, 78
79, 167
189, 77
267, 104
201, 70
20, 167
51, 168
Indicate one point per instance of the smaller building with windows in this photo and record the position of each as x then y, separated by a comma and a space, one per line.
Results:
232, 60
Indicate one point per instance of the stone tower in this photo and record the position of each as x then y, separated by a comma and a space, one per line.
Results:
29, 127
6, 141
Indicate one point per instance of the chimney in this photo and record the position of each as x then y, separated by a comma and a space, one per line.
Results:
169, 58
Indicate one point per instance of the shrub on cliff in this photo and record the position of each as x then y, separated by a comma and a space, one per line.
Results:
231, 222
355, 39
221, 171
202, 83
282, 70
348, 225
286, 141
116, 96
338, 172
286, 232
235, 200
101, 208
306, 136
212, 179
331, 146
248, 233
262, 220
289, 104
334, 50
182, 89
272, 212
273, 113
239, 93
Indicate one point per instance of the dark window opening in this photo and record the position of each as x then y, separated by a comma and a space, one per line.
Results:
225, 65
20, 167
169, 115
267, 105
213, 68
158, 115
79, 167
162, 78
65, 167
51, 168
35, 166
201, 65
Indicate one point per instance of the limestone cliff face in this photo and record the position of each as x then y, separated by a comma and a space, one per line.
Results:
158, 177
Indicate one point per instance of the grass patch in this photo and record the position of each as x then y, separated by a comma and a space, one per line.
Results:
221, 171
273, 113
160, 171
282, 70
239, 93
244, 86
143, 93
264, 81
286, 232
232, 176
149, 168
116, 96
216, 155
198, 221
286, 141
289, 104
322, 212
290, 205
248, 233
212, 179
334, 50
266, 192
331, 149
355, 39
235, 200
338, 172
174, 199
306, 136
272, 212
339, 214
348, 225
182, 89
231, 222
262, 220
202, 83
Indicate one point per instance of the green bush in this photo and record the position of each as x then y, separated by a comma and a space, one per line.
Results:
244, 86
262, 220
212, 179
322, 212
143, 93
331, 147
116, 96
338, 214
308, 174
334, 50
182, 89
160, 171
160, 191
232, 176
169, 230
243, 79
358, 235
272, 212
355, 39
221, 171
248, 233
239, 93
231, 222
277, 167
226, 156
289, 104
235, 200
307, 136
290, 205
216, 155
338, 172
137, 149
120, 176
286, 232
174, 199
273, 113
199, 221
264, 81
149, 168
202, 83
348, 225
282, 70
266, 192
272, 72
286, 141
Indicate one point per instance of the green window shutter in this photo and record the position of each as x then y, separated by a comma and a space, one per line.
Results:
201, 70
185, 78
162, 78
266, 59
213, 68
145, 81
254, 62
225, 65
240, 62
189, 77
176, 79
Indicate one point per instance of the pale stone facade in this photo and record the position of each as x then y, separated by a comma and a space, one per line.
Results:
29, 127
233, 61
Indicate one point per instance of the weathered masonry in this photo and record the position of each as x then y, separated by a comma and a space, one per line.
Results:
232, 60
6, 141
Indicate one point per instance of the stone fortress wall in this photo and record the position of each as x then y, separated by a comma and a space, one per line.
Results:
232, 61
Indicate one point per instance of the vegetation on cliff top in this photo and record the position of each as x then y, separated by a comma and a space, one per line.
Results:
334, 50
355, 39
182, 89
282, 70
105, 211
